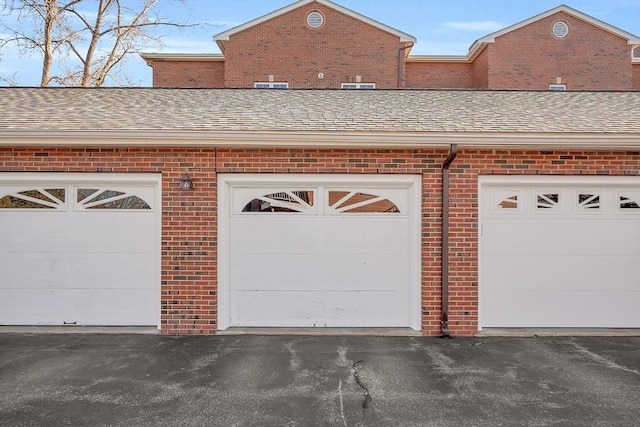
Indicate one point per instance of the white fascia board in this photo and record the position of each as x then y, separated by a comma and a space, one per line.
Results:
182, 56
404, 37
438, 58
353, 140
631, 38
192, 56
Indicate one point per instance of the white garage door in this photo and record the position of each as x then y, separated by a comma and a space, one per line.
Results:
80, 249
316, 251
560, 252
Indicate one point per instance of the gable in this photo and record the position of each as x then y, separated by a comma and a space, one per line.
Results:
287, 49
224, 36
631, 39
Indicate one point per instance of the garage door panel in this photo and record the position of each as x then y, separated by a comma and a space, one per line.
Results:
320, 272
549, 272
559, 252
323, 250
319, 309
92, 258
319, 235
79, 233
100, 307
549, 309
78, 270
561, 237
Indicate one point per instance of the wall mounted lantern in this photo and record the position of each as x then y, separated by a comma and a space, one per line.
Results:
186, 183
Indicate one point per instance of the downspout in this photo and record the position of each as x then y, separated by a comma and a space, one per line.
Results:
400, 62
444, 318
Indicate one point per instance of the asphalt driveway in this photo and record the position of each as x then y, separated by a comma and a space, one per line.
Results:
139, 380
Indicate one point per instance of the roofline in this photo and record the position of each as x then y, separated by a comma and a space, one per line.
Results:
438, 58
404, 37
203, 57
632, 39
353, 140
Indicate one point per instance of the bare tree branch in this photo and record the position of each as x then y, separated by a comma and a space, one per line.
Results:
88, 38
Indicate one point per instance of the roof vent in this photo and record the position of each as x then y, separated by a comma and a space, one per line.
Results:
315, 20
560, 29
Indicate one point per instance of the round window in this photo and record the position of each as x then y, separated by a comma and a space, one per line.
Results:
315, 20
560, 29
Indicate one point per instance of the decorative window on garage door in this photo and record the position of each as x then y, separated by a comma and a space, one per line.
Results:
35, 198
108, 199
332, 201
588, 201
282, 201
506, 201
628, 202
360, 202
548, 201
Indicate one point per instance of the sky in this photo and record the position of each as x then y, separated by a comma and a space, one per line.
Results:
442, 27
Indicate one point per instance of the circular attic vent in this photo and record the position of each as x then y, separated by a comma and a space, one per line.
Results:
560, 29
315, 20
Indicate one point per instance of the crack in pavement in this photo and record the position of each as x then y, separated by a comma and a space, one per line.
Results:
367, 395
344, 420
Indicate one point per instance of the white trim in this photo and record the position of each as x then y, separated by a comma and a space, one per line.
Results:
340, 139
404, 37
489, 180
82, 178
438, 58
203, 57
227, 181
151, 179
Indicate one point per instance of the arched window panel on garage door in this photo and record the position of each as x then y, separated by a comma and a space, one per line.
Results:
353, 201
34, 198
96, 198
285, 200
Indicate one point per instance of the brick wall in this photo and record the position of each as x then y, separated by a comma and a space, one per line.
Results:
189, 227
188, 74
636, 76
292, 52
189, 258
468, 165
285, 47
480, 70
588, 58
438, 75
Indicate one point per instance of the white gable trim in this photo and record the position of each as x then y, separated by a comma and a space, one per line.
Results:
631, 38
404, 37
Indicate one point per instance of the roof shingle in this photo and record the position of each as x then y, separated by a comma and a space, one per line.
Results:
251, 110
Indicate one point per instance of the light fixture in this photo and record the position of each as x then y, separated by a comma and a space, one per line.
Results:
186, 183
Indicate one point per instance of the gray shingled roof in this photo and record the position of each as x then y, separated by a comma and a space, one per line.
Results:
249, 110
